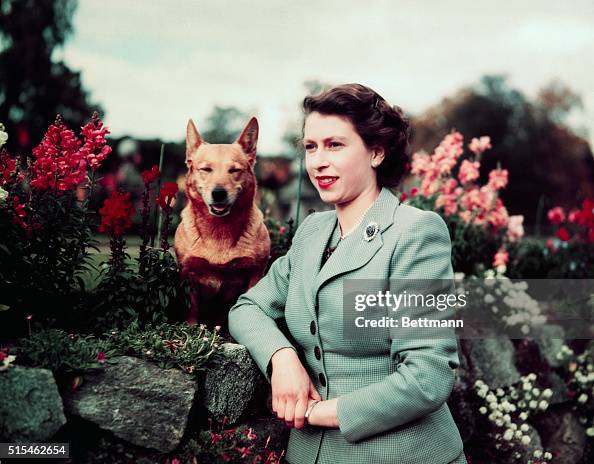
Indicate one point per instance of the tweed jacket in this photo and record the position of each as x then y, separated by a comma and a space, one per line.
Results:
392, 393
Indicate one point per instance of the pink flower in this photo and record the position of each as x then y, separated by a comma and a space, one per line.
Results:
501, 258
515, 228
556, 215
175, 461
3, 356
101, 357
215, 438
414, 191
498, 179
250, 435
469, 171
282, 230
477, 146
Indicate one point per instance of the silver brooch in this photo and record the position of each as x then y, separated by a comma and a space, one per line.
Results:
371, 230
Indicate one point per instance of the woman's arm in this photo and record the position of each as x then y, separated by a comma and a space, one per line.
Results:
252, 320
424, 375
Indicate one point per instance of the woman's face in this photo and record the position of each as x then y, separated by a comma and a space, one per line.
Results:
336, 159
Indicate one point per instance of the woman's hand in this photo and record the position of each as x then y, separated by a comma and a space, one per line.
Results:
291, 388
323, 414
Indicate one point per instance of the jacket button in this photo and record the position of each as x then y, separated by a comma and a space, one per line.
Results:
312, 327
317, 353
322, 379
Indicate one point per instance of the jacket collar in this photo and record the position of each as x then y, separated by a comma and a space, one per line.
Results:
352, 253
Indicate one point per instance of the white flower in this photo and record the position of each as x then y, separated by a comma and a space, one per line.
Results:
518, 434
547, 393
483, 410
537, 453
3, 195
532, 376
590, 431
524, 427
527, 386
548, 455
489, 298
533, 404
508, 435
582, 398
525, 439
507, 418
500, 392
523, 415
3, 135
491, 398
499, 423
543, 405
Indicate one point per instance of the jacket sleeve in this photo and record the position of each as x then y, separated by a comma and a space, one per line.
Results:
424, 374
252, 320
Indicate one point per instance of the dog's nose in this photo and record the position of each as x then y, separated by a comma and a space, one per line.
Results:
219, 195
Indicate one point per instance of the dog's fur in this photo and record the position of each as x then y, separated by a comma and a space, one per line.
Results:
222, 243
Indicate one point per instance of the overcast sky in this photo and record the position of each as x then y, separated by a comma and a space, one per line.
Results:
152, 64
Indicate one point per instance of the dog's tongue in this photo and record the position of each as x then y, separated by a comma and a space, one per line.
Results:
218, 208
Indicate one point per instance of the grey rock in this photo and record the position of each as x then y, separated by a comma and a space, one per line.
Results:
233, 383
550, 340
137, 401
561, 431
491, 359
31, 409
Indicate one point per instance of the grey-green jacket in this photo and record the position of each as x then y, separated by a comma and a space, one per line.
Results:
391, 394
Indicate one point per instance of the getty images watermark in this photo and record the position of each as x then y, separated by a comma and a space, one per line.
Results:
471, 308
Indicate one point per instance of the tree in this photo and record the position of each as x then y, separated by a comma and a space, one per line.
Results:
33, 87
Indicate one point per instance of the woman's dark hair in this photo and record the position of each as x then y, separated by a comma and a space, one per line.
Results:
376, 122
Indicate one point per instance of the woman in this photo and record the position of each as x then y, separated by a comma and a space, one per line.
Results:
347, 401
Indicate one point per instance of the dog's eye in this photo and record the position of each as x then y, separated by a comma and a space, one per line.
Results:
206, 169
234, 170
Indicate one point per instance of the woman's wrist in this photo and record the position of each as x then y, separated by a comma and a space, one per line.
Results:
281, 352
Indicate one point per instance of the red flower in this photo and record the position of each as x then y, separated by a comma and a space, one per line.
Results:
167, 194
150, 175
215, 437
282, 230
403, 196
244, 451
61, 159
116, 214
3, 356
7, 167
101, 357
563, 234
413, 191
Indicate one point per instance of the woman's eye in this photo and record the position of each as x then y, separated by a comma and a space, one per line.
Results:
309, 146
335, 144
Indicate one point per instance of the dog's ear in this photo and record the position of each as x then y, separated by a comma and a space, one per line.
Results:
249, 138
193, 140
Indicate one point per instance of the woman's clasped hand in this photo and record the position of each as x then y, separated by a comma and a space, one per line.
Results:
292, 388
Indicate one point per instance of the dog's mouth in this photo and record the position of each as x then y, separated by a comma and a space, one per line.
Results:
219, 209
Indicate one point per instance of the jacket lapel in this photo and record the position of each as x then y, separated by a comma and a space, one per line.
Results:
352, 253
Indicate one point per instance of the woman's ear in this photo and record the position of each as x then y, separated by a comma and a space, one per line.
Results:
377, 156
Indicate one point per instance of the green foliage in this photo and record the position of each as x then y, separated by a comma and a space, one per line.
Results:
62, 353
156, 295
41, 272
533, 259
188, 347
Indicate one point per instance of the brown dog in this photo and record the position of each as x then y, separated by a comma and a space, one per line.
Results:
221, 243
